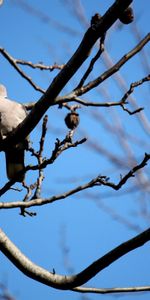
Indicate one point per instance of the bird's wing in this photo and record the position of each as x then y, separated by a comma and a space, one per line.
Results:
11, 113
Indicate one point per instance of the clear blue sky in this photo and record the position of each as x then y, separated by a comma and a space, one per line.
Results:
93, 222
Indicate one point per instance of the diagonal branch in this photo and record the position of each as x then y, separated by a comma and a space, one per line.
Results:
91, 36
13, 62
98, 181
68, 282
92, 84
115, 290
93, 61
71, 97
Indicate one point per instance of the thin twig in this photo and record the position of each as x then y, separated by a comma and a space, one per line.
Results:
29, 188
130, 91
13, 62
115, 290
123, 86
40, 158
48, 99
93, 61
113, 69
60, 146
40, 66
98, 181
71, 97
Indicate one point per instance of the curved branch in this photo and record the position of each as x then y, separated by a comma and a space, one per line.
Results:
115, 290
60, 147
93, 33
98, 181
68, 282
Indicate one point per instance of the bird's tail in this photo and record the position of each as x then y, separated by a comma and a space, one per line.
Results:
15, 162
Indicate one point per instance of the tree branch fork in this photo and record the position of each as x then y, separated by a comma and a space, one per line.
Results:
91, 36
50, 278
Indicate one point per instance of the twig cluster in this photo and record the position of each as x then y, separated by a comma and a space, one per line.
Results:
81, 88
60, 147
50, 97
40, 66
100, 180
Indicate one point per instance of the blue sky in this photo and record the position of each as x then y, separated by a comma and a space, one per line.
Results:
95, 221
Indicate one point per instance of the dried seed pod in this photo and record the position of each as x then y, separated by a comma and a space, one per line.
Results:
127, 16
72, 120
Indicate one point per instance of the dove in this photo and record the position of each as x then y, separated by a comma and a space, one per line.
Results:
12, 114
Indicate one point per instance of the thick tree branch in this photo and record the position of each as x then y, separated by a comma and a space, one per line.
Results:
68, 282
93, 33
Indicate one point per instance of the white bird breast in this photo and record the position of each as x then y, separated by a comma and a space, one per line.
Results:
11, 115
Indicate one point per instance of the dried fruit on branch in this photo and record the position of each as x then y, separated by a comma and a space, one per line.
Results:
127, 16
72, 120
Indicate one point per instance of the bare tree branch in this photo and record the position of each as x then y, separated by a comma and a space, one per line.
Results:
40, 158
71, 97
81, 54
40, 66
132, 87
93, 61
145, 124
113, 69
60, 147
98, 181
14, 64
68, 282
115, 290
50, 97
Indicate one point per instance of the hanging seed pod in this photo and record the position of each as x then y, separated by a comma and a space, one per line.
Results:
72, 120
127, 16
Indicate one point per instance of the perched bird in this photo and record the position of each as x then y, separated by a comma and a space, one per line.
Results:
11, 115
